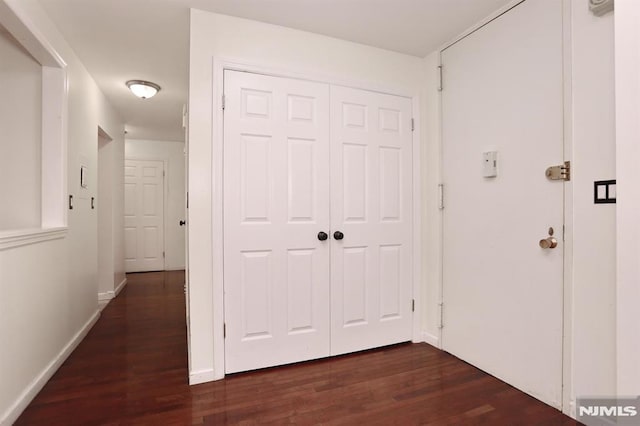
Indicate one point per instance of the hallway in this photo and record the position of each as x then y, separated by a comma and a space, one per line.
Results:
132, 369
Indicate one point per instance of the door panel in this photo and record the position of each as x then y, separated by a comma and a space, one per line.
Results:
144, 215
371, 186
276, 197
503, 293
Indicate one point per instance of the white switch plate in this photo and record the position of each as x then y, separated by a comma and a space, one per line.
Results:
490, 164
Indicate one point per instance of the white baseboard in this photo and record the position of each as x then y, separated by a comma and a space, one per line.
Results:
431, 339
572, 411
202, 376
106, 296
120, 287
14, 411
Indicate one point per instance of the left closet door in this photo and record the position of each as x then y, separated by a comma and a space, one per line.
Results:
276, 202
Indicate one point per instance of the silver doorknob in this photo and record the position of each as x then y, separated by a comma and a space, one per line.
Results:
548, 243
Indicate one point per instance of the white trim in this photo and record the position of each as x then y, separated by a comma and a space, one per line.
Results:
431, 339
17, 22
496, 14
23, 237
202, 376
416, 232
219, 65
19, 405
106, 296
567, 308
120, 287
242, 65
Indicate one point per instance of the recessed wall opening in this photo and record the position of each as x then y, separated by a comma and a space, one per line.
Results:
33, 114
21, 124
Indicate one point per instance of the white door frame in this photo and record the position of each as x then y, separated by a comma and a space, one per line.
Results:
165, 194
221, 64
568, 399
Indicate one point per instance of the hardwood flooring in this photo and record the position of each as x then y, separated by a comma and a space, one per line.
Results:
132, 369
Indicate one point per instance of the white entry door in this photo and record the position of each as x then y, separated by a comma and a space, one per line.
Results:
503, 292
276, 198
144, 215
371, 206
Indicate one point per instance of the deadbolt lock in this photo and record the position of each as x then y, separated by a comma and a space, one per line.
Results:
562, 172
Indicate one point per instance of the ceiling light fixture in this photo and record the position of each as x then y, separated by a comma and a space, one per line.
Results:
143, 89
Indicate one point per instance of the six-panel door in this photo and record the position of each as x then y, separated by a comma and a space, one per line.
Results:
276, 198
371, 205
144, 215
290, 295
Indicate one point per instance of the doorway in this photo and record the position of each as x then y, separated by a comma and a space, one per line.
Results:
503, 248
144, 194
317, 220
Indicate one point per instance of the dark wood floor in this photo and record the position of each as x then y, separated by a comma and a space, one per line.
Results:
132, 369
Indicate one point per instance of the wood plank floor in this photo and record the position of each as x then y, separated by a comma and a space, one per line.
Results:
132, 369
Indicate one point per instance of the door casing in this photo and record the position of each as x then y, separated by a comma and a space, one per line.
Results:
219, 66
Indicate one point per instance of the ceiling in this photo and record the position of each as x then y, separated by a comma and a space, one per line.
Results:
120, 40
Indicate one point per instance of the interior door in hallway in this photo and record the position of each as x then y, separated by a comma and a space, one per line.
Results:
276, 198
371, 219
144, 215
503, 292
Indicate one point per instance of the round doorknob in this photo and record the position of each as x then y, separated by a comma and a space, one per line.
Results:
338, 235
548, 243
322, 236
183, 222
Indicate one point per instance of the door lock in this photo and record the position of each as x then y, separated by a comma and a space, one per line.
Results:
550, 242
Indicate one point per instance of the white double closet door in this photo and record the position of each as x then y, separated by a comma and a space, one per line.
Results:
300, 159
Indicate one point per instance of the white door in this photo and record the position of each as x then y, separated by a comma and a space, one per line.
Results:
503, 293
371, 205
144, 215
276, 198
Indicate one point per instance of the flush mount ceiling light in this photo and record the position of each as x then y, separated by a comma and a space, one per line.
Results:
143, 89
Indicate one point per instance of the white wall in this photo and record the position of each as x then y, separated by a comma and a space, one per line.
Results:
49, 290
20, 139
594, 225
627, 50
278, 48
172, 153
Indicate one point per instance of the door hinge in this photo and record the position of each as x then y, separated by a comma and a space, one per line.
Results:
163, 254
441, 196
224, 101
413, 305
564, 231
224, 330
413, 124
441, 304
440, 85
185, 118
164, 173
561, 172
187, 199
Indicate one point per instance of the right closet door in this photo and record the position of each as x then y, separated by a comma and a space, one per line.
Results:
371, 219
